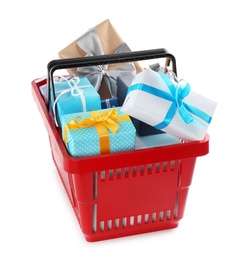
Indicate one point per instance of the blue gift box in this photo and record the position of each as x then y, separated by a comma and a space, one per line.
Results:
142, 128
75, 95
98, 132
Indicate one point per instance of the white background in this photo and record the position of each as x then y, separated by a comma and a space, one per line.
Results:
207, 39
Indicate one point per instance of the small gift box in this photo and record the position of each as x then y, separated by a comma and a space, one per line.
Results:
110, 102
142, 129
74, 95
98, 132
168, 105
99, 40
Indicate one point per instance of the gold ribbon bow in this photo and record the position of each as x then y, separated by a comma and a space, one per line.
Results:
102, 121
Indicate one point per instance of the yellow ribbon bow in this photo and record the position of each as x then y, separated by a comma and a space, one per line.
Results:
102, 121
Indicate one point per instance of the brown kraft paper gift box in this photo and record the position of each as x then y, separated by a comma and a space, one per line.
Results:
110, 41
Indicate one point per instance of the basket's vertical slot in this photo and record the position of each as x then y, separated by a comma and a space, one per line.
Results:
172, 165
176, 205
161, 215
165, 165
179, 173
102, 225
124, 222
110, 174
155, 167
134, 170
109, 224
94, 228
154, 217
131, 222
119, 172
102, 175
142, 169
126, 172
176, 209
168, 214
95, 194
139, 219
117, 223
146, 218
150, 168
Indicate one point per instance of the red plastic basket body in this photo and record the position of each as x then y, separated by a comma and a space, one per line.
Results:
126, 193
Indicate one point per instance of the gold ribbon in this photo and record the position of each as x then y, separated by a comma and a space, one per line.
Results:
102, 121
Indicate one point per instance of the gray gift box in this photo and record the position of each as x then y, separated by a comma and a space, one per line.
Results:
142, 129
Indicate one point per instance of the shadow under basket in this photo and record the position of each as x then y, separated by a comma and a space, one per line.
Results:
127, 193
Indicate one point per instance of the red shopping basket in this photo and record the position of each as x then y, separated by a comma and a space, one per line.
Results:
126, 193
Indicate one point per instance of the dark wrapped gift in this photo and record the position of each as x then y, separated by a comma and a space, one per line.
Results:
110, 102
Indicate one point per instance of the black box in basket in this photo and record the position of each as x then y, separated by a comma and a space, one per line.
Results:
142, 128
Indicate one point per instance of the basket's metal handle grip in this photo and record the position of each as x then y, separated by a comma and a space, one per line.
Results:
103, 60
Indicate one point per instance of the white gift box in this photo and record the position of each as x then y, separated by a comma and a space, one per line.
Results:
168, 105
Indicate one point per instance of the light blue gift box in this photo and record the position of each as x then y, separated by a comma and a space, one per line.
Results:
75, 95
83, 142
154, 140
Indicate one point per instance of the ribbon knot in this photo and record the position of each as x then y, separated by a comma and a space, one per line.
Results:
180, 92
186, 111
104, 70
106, 119
73, 84
178, 98
90, 43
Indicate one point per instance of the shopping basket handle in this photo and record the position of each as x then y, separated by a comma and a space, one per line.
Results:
105, 60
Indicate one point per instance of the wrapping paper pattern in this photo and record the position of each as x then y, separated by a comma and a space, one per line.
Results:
86, 141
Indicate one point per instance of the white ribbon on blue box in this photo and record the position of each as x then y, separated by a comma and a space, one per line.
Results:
168, 105
75, 95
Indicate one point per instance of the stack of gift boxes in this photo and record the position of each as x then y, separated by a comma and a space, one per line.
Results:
115, 108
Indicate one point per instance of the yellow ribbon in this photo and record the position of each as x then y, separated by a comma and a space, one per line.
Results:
102, 121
